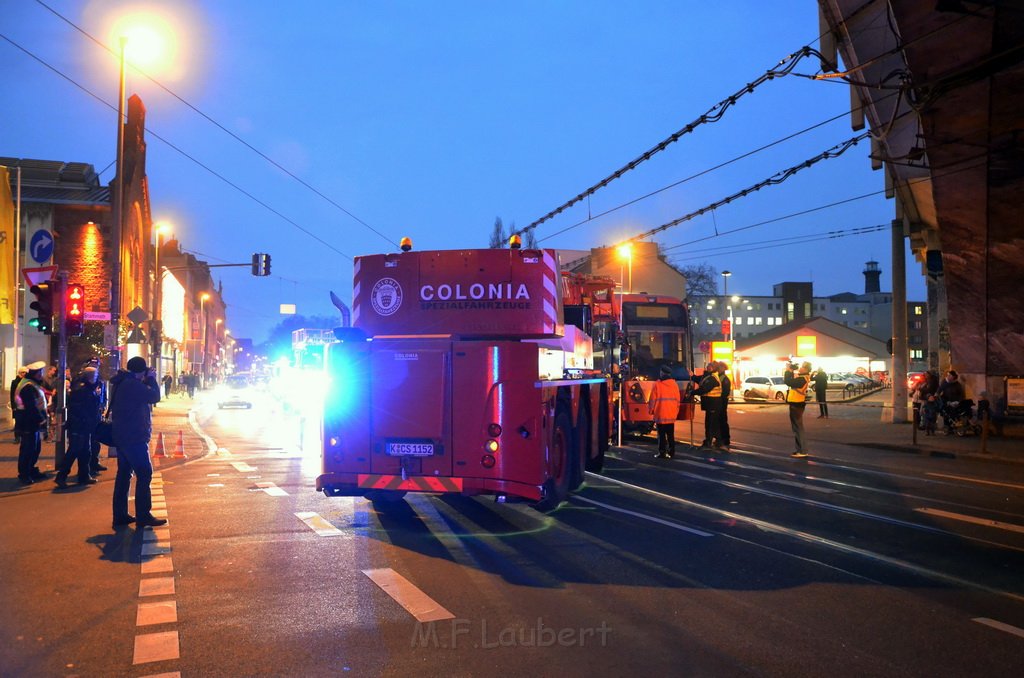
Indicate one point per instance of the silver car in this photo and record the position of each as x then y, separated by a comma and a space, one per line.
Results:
768, 388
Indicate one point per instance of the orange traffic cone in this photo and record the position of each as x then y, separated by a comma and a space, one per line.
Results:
160, 451
179, 451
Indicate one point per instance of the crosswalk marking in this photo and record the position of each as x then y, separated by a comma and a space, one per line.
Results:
156, 647
405, 593
159, 564
318, 524
272, 489
163, 612
156, 586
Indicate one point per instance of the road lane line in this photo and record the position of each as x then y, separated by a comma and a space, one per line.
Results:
691, 530
318, 524
157, 534
1000, 625
170, 674
805, 486
242, 467
972, 519
156, 548
157, 565
272, 489
163, 612
156, 586
977, 480
156, 647
405, 593
701, 464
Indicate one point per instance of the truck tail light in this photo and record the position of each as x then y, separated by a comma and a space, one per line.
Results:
492, 446
487, 461
494, 430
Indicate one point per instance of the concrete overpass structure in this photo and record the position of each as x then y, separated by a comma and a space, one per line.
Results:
941, 84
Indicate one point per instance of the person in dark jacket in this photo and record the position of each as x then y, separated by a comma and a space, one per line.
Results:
821, 392
724, 440
710, 392
101, 398
31, 420
131, 403
83, 416
951, 393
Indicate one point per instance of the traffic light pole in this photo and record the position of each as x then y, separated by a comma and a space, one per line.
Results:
60, 397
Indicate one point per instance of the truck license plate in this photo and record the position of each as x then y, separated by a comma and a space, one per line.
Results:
410, 449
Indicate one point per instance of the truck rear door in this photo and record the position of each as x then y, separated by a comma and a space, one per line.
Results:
410, 402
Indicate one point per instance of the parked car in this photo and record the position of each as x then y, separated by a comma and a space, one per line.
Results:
769, 388
842, 382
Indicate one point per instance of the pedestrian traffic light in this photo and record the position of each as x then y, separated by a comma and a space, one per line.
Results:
74, 310
260, 264
43, 306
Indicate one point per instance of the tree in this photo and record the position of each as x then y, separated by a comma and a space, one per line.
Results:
530, 242
499, 237
701, 279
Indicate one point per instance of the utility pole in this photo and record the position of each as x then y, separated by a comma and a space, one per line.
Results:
118, 230
899, 325
60, 304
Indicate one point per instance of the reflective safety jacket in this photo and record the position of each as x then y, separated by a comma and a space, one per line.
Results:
798, 384
664, 401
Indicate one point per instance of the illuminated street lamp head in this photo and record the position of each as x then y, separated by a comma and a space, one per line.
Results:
734, 298
162, 227
626, 251
150, 40
205, 296
726, 274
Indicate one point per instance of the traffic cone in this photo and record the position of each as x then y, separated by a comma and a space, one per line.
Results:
179, 451
160, 451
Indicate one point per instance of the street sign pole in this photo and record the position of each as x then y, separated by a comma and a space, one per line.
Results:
60, 401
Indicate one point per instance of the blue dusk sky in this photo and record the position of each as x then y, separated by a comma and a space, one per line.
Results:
430, 119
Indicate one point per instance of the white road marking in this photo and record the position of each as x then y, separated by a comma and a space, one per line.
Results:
977, 480
156, 647
159, 513
701, 464
157, 534
156, 586
224, 452
272, 489
404, 592
691, 530
163, 612
216, 485
1000, 625
318, 524
805, 486
171, 674
156, 548
242, 467
157, 565
972, 519
213, 475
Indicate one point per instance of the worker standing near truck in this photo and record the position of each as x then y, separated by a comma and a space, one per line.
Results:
664, 405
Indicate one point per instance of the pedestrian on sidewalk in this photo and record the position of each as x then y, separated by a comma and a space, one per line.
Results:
664, 405
710, 392
83, 416
135, 391
821, 392
951, 393
798, 380
168, 380
930, 412
724, 440
31, 419
101, 399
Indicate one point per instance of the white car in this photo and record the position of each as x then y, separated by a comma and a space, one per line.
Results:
768, 388
234, 393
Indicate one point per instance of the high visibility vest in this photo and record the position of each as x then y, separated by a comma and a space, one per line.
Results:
716, 392
664, 403
799, 395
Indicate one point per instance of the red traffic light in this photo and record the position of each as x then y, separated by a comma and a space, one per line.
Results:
74, 310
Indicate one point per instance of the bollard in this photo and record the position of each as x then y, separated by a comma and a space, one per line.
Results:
984, 432
916, 421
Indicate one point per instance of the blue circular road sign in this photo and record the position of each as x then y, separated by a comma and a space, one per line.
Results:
40, 248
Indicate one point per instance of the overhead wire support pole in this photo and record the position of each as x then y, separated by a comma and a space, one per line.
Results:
115, 276
783, 68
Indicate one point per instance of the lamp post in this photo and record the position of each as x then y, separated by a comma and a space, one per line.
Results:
725, 283
626, 252
202, 312
115, 274
158, 284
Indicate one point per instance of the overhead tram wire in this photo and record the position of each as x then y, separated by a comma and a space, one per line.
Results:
183, 153
223, 128
710, 169
795, 240
714, 114
773, 180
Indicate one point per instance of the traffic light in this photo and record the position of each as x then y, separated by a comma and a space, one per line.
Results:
43, 306
74, 310
260, 264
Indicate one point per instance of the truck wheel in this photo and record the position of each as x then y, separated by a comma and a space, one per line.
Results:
582, 449
556, 487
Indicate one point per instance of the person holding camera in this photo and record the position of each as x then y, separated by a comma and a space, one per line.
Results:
134, 392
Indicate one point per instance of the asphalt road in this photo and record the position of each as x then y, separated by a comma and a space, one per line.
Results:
851, 563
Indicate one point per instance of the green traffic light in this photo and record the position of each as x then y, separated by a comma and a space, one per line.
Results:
34, 322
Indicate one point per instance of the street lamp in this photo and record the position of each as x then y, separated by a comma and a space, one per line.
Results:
725, 283
160, 229
626, 252
202, 312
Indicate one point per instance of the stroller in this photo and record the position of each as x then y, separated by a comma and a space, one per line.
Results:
959, 418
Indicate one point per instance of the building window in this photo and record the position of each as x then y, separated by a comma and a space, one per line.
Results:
916, 354
842, 311
739, 320
917, 324
918, 310
710, 321
778, 321
757, 321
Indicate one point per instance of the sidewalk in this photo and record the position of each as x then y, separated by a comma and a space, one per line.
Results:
170, 417
865, 423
